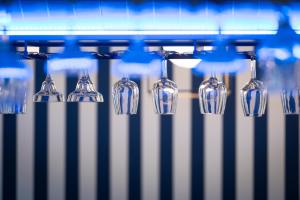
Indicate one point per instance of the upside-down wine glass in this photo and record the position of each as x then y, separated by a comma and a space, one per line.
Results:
85, 91
212, 96
48, 92
290, 101
254, 95
165, 93
125, 96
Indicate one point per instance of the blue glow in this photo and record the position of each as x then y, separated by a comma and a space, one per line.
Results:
71, 61
279, 56
150, 18
220, 60
136, 62
10, 64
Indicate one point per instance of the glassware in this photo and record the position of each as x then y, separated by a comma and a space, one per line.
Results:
290, 101
125, 97
254, 95
48, 92
165, 93
85, 91
212, 96
13, 96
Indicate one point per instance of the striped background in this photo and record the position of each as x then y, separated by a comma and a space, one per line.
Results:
84, 151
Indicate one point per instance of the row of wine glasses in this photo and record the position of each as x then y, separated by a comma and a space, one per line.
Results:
84, 91
212, 95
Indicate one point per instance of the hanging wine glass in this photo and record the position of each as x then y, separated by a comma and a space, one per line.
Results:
125, 96
212, 96
290, 101
14, 76
85, 91
165, 93
254, 95
48, 92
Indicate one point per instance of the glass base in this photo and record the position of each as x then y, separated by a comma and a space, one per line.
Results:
42, 97
10, 108
85, 97
253, 115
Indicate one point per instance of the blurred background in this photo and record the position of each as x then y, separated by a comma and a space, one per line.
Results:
85, 151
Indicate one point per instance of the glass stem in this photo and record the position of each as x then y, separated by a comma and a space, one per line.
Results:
164, 69
253, 69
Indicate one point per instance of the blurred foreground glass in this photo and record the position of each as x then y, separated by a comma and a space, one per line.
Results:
85, 91
290, 101
48, 92
279, 55
212, 96
13, 96
125, 97
254, 95
14, 76
165, 93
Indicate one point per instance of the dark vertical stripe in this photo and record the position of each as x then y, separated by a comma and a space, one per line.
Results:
260, 154
9, 157
292, 157
72, 189
103, 130
229, 144
166, 139
40, 138
197, 175
135, 152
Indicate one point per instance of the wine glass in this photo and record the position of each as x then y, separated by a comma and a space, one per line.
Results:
165, 93
290, 101
212, 96
48, 92
254, 95
85, 91
125, 96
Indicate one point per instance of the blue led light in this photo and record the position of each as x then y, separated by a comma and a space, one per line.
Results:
71, 61
223, 59
136, 62
10, 64
87, 18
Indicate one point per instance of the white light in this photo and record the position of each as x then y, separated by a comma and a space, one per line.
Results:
296, 51
208, 48
101, 32
6, 72
179, 49
71, 65
186, 63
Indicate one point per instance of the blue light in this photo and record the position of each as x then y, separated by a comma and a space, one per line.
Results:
221, 60
136, 62
279, 56
87, 18
10, 64
71, 61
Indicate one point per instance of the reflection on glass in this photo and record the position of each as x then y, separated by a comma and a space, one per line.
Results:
48, 92
290, 101
254, 95
125, 97
165, 93
85, 91
212, 96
